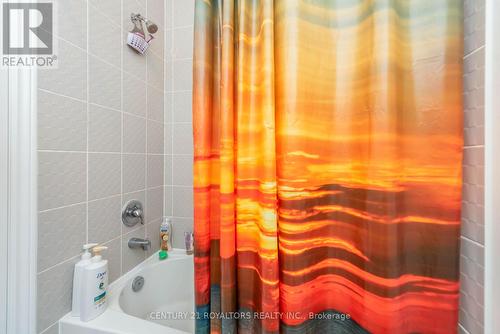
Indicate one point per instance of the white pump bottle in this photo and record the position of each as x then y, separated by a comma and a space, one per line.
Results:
77, 279
94, 284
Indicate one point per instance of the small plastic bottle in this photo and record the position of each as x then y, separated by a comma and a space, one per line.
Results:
166, 234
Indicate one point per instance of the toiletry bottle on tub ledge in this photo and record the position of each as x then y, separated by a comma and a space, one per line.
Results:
95, 283
77, 279
166, 234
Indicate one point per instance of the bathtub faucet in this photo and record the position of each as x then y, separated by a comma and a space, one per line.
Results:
139, 243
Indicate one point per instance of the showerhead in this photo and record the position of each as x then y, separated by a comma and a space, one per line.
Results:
151, 26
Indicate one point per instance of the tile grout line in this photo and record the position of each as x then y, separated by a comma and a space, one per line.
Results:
46, 329
180, 27
179, 91
122, 134
111, 109
58, 264
463, 328
172, 5
107, 108
79, 152
78, 203
72, 258
166, 107
472, 241
473, 146
105, 15
87, 59
478, 49
146, 149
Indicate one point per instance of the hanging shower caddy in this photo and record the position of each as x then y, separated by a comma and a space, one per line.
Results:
141, 35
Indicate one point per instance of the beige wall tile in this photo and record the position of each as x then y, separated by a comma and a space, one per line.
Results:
72, 23
155, 137
134, 95
182, 167
104, 175
134, 172
154, 204
153, 234
104, 37
155, 171
62, 123
183, 13
182, 201
110, 8
61, 234
105, 219
183, 39
155, 104
183, 139
70, 77
54, 288
183, 74
113, 255
155, 71
182, 107
62, 179
104, 83
474, 25
105, 129
134, 134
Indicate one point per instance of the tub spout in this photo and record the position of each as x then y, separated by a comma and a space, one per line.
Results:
139, 243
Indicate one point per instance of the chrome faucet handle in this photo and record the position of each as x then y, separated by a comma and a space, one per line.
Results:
137, 213
133, 213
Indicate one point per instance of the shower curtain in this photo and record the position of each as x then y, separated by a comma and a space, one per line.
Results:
327, 171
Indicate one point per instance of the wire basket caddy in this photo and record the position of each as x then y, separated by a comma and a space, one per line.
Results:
139, 38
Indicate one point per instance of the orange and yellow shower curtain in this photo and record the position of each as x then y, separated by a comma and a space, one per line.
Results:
327, 176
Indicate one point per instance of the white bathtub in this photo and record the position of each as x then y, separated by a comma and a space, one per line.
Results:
164, 305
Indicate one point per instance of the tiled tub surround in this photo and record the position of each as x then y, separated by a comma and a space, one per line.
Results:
472, 240
100, 142
178, 109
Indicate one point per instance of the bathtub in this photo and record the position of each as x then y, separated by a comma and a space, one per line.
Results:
164, 305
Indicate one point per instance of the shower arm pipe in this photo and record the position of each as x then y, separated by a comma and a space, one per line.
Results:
146, 24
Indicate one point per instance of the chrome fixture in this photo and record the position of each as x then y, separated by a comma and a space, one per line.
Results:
145, 244
137, 283
133, 213
141, 35
151, 27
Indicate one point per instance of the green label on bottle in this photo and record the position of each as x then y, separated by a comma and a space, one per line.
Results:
101, 296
